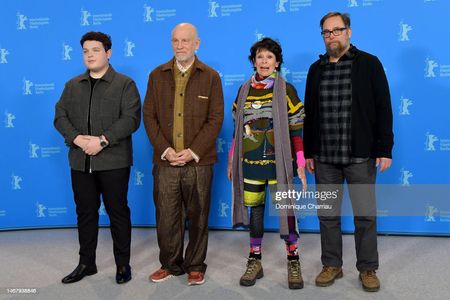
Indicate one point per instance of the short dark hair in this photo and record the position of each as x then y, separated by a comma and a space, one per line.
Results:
344, 16
269, 45
99, 37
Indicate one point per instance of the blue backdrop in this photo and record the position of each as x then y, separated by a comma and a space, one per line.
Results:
40, 51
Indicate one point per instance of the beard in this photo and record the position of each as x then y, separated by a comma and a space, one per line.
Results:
335, 49
182, 58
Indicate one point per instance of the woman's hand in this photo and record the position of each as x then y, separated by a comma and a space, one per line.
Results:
229, 167
302, 176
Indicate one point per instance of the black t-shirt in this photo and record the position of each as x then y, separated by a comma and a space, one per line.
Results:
88, 159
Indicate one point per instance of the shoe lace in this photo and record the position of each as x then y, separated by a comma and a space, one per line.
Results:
251, 266
370, 274
294, 268
327, 269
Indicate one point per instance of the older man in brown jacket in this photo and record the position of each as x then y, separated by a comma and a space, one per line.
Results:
183, 114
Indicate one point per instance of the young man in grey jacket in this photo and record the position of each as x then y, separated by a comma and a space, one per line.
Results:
96, 114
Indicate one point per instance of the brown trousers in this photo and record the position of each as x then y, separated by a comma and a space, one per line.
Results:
182, 194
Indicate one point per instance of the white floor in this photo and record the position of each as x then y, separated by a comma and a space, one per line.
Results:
410, 268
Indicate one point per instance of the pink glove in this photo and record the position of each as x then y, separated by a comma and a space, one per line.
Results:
301, 162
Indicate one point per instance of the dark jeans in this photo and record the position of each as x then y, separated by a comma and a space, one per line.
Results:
112, 185
360, 178
180, 194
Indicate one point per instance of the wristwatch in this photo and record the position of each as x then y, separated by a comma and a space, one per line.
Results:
103, 141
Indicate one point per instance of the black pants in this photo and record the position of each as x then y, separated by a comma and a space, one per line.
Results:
360, 178
112, 185
257, 222
182, 193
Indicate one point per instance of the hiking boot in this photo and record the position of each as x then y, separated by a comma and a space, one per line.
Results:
327, 276
254, 271
295, 279
370, 281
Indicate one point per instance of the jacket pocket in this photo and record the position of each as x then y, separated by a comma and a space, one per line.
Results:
201, 106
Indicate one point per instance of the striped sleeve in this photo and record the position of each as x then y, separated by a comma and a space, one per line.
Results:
296, 111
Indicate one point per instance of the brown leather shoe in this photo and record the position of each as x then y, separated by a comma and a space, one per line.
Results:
327, 276
160, 275
370, 281
196, 278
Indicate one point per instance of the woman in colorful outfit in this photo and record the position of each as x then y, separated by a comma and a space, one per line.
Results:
268, 118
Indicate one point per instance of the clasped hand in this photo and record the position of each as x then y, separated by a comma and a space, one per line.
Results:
89, 144
178, 158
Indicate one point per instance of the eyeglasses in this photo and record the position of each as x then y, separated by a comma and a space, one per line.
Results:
335, 31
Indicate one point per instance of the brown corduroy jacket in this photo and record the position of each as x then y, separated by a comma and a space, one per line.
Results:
203, 111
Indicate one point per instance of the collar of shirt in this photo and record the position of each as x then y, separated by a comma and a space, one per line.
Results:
181, 68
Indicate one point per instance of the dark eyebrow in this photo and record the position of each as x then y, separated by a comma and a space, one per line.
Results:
337, 27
